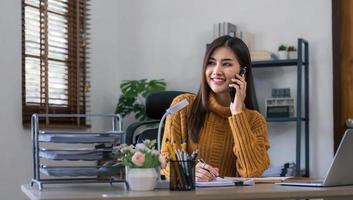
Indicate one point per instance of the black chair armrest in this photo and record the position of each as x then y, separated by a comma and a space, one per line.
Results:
132, 128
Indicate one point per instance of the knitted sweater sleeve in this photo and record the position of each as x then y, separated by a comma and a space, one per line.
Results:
250, 144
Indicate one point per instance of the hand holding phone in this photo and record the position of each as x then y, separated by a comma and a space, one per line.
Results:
232, 90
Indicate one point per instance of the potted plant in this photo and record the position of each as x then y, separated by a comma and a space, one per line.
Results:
282, 52
134, 92
141, 163
292, 52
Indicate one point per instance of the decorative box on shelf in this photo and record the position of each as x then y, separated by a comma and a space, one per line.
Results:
281, 105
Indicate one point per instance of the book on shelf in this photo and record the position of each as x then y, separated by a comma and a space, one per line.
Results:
227, 28
262, 55
215, 31
224, 28
249, 40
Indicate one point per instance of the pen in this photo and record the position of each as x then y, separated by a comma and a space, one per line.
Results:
175, 163
204, 163
175, 146
194, 154
183, 146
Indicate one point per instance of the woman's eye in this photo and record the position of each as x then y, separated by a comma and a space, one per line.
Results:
227, 64
210, 63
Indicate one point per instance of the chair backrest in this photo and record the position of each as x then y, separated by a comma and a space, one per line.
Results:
156, 105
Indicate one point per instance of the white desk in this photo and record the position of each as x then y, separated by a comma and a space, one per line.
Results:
116, 192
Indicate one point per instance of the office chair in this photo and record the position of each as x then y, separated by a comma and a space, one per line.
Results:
156, 105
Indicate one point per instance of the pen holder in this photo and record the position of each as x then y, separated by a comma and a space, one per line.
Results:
182, 175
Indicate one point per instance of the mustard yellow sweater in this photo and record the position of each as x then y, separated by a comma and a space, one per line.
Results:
236, 144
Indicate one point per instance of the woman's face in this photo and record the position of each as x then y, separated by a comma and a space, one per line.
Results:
221, 68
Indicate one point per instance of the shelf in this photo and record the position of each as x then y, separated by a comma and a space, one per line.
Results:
275, 63
302, 106
289, 119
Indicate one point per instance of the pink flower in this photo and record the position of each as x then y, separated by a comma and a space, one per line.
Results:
138, 158
162, 161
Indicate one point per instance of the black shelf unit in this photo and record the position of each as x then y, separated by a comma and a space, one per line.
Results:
302, 65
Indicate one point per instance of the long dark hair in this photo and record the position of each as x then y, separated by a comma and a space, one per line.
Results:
200, 107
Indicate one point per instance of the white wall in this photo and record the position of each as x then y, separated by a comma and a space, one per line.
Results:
15, 146
166, 39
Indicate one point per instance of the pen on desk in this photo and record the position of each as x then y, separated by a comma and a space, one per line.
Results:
194, 154
204, 163
175, 163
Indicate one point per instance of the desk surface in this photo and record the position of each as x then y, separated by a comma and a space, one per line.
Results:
107, 192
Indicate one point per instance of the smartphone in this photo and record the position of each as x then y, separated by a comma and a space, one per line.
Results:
232, 90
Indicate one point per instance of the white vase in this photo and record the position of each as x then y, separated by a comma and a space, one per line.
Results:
282, 55
141, 179
292, 54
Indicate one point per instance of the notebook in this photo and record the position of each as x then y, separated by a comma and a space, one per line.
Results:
340, 171
224, 182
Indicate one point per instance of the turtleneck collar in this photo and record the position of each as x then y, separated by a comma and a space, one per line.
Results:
218, 108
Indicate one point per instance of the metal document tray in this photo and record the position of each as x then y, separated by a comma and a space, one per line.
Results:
84, 151
84, 138
86, 171
73, 154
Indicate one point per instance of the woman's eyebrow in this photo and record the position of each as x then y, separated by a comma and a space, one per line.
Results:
227, 59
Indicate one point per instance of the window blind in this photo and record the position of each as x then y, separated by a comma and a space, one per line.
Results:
54, 59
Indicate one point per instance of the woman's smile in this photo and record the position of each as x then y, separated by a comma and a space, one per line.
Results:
218, 80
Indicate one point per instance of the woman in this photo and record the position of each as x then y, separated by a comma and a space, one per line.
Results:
230, 137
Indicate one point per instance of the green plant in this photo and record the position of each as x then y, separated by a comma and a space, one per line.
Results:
134, 92
282, 48
143, 155
291, 48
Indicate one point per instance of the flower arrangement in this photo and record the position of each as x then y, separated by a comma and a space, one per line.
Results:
141, 155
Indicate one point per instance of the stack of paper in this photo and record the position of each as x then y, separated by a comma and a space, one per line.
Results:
287, 169
216, 183
259, 179
226, 181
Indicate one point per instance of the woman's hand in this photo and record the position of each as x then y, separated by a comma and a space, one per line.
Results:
239, 84
205, 172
